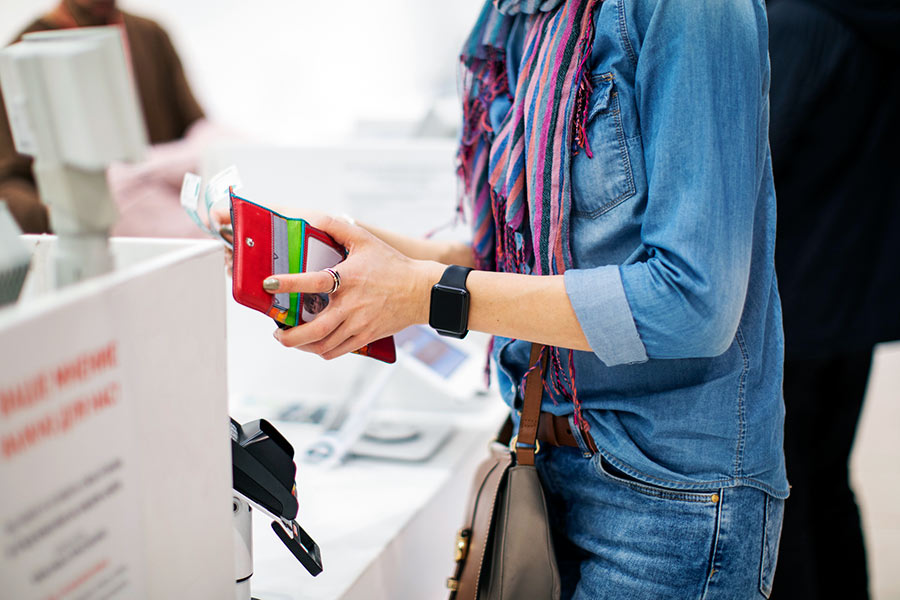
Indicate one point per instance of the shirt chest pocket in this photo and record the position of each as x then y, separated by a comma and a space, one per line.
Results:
601, 183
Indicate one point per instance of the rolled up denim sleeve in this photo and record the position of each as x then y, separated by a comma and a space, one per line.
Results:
598, 297
700, 84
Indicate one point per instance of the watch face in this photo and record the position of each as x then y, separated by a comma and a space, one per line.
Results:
449, 309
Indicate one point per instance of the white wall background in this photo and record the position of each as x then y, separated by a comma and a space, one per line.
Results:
297, 71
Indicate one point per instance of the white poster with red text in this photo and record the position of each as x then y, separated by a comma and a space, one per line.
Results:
92, 469
69, 518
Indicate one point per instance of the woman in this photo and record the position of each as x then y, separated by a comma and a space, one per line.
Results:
615, 158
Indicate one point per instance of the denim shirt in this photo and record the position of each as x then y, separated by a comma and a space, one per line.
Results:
673, 232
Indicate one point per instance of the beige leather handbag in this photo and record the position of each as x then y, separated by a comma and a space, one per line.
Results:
504, 550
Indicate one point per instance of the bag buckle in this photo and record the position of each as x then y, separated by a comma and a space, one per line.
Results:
462, 546
514, 444
452, 584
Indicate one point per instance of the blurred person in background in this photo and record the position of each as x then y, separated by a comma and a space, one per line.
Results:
147, 194
835, 130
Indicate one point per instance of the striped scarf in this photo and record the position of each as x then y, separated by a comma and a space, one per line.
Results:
516, 180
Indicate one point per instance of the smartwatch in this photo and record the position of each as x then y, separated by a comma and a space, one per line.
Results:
449, 312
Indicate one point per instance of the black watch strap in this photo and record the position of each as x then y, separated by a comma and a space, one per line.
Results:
455, 276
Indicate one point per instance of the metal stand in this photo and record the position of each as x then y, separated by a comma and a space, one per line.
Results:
243, 547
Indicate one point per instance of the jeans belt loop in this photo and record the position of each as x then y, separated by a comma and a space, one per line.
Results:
582, 445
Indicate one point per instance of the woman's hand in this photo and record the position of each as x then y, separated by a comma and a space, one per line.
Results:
382, 291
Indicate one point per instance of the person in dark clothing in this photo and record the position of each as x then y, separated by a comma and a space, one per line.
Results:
835, 127
168, 105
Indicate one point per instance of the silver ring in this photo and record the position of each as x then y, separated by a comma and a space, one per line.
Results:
337, 280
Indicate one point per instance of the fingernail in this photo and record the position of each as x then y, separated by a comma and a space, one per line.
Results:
277, 334
271, 284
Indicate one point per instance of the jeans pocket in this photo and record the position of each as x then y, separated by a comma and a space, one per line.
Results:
611, 473
605, 180
771, 536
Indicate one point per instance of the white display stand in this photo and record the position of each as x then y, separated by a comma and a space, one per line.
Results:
115, 464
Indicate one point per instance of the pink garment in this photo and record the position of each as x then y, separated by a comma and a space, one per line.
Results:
147, 194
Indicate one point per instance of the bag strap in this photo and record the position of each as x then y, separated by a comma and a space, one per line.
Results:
505, 433
531, 409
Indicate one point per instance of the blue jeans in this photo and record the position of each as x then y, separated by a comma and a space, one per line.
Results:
618, 538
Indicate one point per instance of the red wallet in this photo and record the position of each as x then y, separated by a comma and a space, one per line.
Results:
267, 243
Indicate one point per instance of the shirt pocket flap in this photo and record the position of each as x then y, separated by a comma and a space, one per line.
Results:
602, 95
